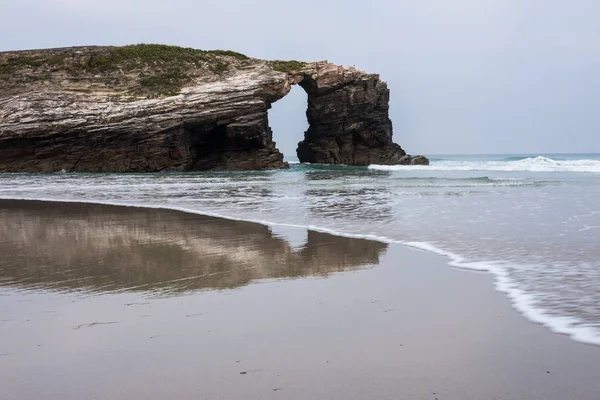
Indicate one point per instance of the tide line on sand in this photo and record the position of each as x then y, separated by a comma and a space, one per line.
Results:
524, 303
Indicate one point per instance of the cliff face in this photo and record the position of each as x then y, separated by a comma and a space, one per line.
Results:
152, 108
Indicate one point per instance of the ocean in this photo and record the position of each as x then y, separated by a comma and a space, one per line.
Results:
531, 220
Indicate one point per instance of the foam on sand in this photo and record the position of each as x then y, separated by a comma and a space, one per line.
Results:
524, 303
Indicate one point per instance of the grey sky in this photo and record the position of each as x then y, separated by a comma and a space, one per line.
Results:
466, 76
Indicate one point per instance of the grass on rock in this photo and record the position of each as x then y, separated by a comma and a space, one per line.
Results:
148, 70
287, 66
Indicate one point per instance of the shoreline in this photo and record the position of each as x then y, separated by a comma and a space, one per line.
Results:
520, 302
146, 303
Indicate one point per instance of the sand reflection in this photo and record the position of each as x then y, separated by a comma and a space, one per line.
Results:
98, 248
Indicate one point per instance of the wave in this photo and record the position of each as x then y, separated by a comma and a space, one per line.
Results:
460, 179
478, 181
527, 164
524, 303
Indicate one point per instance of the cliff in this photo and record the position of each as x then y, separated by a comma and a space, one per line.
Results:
155, 107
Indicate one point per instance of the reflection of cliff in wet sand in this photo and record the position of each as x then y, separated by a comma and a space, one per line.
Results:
65, 246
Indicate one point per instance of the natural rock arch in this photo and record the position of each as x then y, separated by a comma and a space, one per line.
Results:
107, 109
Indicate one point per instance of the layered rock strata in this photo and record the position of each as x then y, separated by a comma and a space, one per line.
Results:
153, 108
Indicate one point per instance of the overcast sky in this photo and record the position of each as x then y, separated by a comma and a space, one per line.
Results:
466, 76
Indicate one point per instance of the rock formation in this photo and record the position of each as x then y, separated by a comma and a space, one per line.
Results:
153, 107
348, 118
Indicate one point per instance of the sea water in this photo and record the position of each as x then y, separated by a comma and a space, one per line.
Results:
531, 220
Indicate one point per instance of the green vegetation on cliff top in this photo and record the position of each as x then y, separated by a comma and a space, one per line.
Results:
161, 69
287, 66
134, 56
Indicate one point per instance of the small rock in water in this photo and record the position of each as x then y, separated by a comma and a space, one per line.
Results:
405, 160
419, 160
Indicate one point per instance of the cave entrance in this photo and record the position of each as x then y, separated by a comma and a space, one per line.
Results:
206, 145
287, 119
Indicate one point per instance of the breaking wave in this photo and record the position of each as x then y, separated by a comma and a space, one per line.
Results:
519, 164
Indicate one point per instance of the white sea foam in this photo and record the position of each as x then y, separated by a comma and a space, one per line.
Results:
533, 164
524, 303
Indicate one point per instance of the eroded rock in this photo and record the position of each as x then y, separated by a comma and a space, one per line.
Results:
348, 118
419, 160
152, 108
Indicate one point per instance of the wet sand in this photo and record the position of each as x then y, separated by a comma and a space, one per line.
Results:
103, 302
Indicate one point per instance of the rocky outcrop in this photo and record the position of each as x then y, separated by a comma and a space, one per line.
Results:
416, 160
348, 118
152, 108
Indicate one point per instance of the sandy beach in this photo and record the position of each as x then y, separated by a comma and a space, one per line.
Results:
107, 302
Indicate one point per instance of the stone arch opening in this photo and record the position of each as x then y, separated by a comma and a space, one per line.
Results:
288, 121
